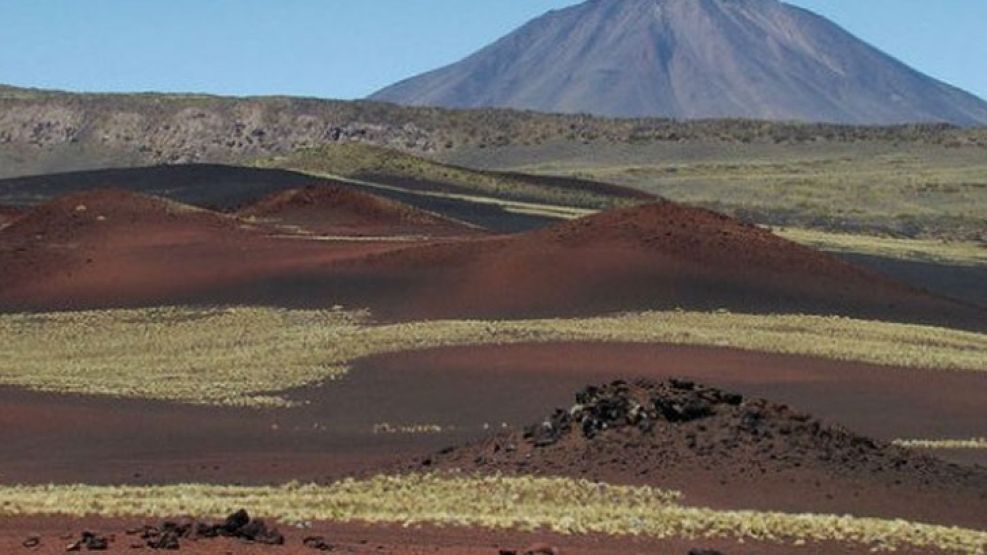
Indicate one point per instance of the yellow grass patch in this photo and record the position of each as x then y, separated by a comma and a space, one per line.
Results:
247, 355
973, 443
411, 429
561, 505
960, 253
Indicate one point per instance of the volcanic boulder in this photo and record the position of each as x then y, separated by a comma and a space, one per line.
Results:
90, 542
317, 543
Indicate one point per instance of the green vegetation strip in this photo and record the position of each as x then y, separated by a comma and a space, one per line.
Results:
495, 502
246, 355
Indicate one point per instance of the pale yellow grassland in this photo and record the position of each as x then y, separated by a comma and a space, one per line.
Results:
972, 443
562, 505
247, 355
411, 429
960, 253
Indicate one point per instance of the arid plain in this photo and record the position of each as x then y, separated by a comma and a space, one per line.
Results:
480, 319
374, 359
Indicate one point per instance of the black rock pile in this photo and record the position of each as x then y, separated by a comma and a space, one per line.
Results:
90, 542
623, 405
318, 543
238, 525
682, 418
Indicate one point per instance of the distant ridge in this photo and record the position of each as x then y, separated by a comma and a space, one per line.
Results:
44, 132
689, 59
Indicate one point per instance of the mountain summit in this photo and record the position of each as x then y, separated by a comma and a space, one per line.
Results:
687, 59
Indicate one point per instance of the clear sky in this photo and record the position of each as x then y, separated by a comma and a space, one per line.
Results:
349, 48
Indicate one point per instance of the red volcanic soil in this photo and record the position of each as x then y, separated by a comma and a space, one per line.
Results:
8, 214
662, 255
680, 434
116, 248
55, 533
113, 248
470, 392
108, 211
334, 210
69, 439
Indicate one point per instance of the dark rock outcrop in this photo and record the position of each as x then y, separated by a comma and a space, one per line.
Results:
169, 535
89, 541
632, 431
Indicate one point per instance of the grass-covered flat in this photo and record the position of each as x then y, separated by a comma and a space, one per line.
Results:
562, 505
934, 251
866, 187
248, 355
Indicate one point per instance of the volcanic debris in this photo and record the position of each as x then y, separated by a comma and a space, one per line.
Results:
545, 549
534, 549
678, 423
239, 525
318, 543
90, 542
621, 405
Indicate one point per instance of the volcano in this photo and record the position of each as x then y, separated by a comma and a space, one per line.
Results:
760, 59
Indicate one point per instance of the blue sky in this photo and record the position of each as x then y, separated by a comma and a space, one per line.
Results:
349, 48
